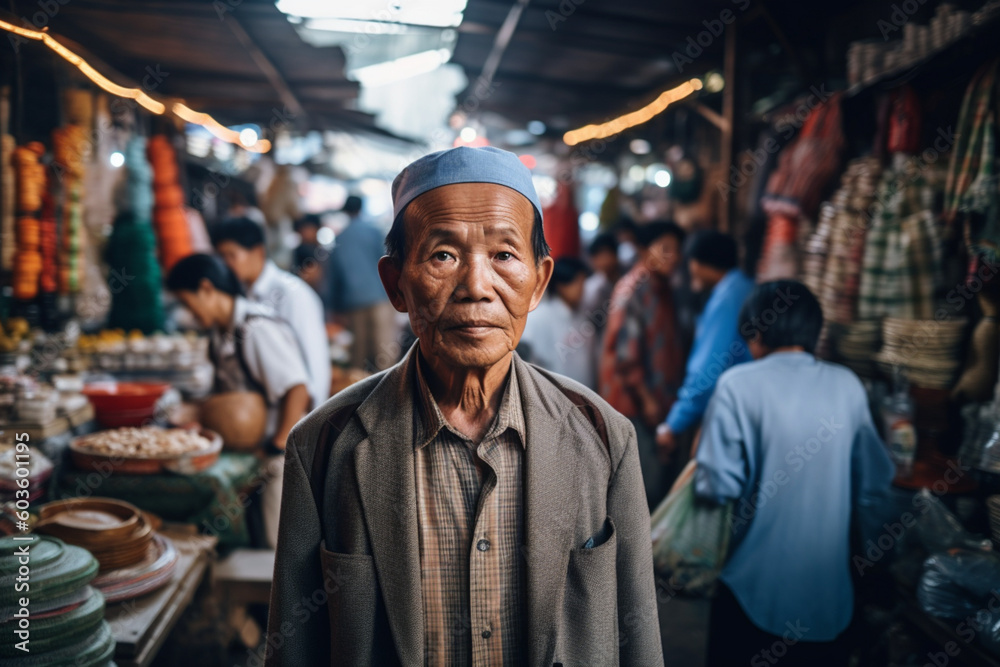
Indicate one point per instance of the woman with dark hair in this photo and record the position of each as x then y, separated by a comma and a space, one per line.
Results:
252, 350
788, 439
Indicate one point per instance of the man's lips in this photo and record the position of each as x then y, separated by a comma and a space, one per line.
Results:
472, 326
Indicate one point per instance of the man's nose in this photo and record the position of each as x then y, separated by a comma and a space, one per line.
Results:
476, 280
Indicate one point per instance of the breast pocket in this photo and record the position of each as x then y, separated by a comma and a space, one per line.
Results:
589, 633
352, 600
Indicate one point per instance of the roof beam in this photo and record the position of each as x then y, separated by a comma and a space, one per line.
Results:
265, 65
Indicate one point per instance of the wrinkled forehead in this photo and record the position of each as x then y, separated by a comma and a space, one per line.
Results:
470, 211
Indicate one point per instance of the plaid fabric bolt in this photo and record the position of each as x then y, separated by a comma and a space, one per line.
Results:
471, 527
900, 273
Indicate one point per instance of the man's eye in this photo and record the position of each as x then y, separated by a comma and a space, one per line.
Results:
442, 256
504, 256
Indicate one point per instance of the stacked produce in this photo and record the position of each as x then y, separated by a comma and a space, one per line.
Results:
169, 220
30, 187
69, 144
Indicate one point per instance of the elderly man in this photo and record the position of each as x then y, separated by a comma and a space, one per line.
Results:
464, 507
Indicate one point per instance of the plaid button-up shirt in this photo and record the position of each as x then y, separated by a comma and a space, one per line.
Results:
471, 526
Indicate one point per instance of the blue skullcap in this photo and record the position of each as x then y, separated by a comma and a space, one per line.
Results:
462, 165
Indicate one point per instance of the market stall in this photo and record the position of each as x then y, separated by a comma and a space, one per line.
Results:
121, 469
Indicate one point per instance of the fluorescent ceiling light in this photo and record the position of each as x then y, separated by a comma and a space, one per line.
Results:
401, 68
438, 13
356, 26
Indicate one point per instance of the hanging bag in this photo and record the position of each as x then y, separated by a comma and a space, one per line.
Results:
690, 538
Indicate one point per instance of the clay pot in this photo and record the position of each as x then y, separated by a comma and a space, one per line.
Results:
240, 417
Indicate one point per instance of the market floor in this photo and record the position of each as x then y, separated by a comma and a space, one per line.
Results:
684, 629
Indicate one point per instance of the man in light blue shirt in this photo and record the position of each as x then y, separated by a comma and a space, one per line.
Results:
712, 262
790, 441
356, 294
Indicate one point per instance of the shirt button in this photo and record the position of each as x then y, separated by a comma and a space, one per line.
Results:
487, 634
483, 545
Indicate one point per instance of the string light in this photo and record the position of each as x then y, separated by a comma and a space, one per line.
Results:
624, 122
216, 128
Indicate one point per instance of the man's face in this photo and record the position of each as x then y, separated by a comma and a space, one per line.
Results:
469, 278
199, 303
572, 292
662, 255
308, 234
605, 262
702, 277
246, 263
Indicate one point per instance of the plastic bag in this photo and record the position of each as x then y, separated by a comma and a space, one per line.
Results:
958, 583
690, 539
939, 530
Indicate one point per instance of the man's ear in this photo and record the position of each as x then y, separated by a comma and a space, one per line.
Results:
390, 271
544, 273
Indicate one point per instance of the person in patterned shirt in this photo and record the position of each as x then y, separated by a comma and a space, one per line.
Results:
642, 364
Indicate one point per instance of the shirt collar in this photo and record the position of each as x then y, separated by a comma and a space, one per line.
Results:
730, 276
267, 276
430, 420
240, 310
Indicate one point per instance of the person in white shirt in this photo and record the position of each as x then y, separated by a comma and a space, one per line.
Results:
240, 243
252, 350
559, 335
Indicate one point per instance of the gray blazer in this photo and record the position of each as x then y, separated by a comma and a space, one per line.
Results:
347, 574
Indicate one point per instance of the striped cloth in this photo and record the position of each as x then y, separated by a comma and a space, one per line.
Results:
471, 524
901, 269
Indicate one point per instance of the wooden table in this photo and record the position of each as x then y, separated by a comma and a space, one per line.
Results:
142, 624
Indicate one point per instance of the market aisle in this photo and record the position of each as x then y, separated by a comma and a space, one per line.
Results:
684, 628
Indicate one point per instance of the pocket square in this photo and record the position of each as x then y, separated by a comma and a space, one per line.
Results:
600, 537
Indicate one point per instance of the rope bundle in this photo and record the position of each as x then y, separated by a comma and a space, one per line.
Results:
169, 219
28, 261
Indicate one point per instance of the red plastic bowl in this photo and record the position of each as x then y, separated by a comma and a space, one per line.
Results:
119, 404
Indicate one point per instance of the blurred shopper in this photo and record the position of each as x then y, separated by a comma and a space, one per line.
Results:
309, 256
627, 232
240, 207
790, 440
558, 334
252, 350
240, 243
464, 507
642, 364
603, 252
713, 265
356, 293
